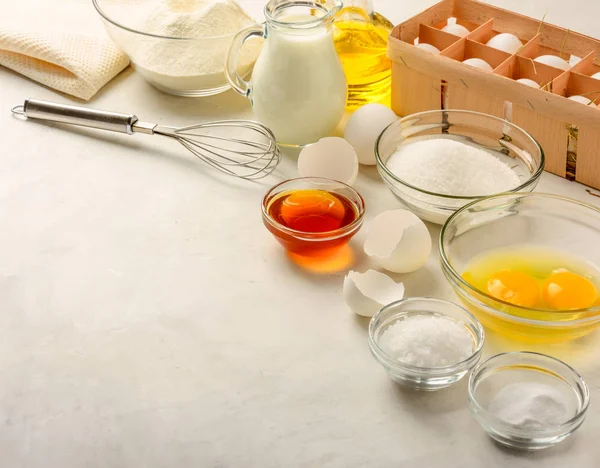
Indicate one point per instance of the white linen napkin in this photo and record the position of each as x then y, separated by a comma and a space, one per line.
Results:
59, 43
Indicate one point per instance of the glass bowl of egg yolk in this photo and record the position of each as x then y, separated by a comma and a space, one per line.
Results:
527, 265
312, 216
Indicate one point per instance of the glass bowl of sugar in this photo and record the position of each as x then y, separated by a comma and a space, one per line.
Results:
425, 343
179, 46
435, 162
527, 400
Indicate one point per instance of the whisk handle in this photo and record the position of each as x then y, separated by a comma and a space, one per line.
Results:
75, 115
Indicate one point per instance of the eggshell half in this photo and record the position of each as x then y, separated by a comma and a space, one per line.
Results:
478, 63
428, 47
507, 42
456, 29
331, 158
581, 99
528, 82
398, 241
363, 128
552, 61
366, 293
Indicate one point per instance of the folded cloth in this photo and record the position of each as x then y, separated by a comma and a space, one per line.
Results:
59, 43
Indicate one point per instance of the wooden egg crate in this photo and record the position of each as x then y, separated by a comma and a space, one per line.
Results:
568, 131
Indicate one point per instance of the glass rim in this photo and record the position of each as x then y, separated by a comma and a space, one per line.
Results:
315, 236
475, 379
532, 178
431, 371
328, 16
447, 266
114, 22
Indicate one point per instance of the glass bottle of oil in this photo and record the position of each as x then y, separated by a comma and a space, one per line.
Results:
360, 37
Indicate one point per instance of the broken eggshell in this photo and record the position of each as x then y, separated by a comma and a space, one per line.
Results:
366, 293
331, 158
398, 241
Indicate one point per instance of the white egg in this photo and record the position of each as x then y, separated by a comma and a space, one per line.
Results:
366, 293
528, 82
574, 60
363, 128
507, 42
581, 99
552, 61
398, 241
478, 63
331, 158
428, 47
456, 29
596, 75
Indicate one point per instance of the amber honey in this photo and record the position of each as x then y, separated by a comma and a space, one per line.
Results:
311, 221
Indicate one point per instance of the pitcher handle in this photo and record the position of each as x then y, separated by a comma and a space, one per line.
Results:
235, 80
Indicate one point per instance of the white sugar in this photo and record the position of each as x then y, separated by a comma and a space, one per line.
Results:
450, 167
427, 341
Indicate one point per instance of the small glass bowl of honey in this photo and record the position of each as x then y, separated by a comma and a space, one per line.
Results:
312, 216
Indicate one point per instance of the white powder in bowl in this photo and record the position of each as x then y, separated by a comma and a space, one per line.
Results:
427, 341
530, 405
450, 167
186, 65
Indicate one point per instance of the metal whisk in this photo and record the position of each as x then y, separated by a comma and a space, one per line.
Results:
251, 155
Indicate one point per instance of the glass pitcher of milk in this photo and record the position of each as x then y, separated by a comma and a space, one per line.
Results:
298, 87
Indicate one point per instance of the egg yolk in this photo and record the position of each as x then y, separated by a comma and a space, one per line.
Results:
514, 287
313, 211
565, 290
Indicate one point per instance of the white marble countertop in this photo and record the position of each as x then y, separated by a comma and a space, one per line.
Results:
147, 318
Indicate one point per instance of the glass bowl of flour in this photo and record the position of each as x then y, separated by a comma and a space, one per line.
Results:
436, 162
179, 46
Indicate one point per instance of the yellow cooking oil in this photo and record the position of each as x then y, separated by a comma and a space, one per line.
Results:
361, 40
536, 283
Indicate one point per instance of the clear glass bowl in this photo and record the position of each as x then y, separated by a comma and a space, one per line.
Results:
174, 65
491, 376
424, 378
536, 219
504, 140
316, 244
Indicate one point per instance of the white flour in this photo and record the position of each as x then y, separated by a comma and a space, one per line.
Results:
186, 65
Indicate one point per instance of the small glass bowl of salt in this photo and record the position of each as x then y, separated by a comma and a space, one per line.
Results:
425, 343
527, 400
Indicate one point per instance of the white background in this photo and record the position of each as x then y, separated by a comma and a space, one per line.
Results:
147, 318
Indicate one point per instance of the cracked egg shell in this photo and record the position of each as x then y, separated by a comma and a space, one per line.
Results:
366, 293
398, 241
331, 158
